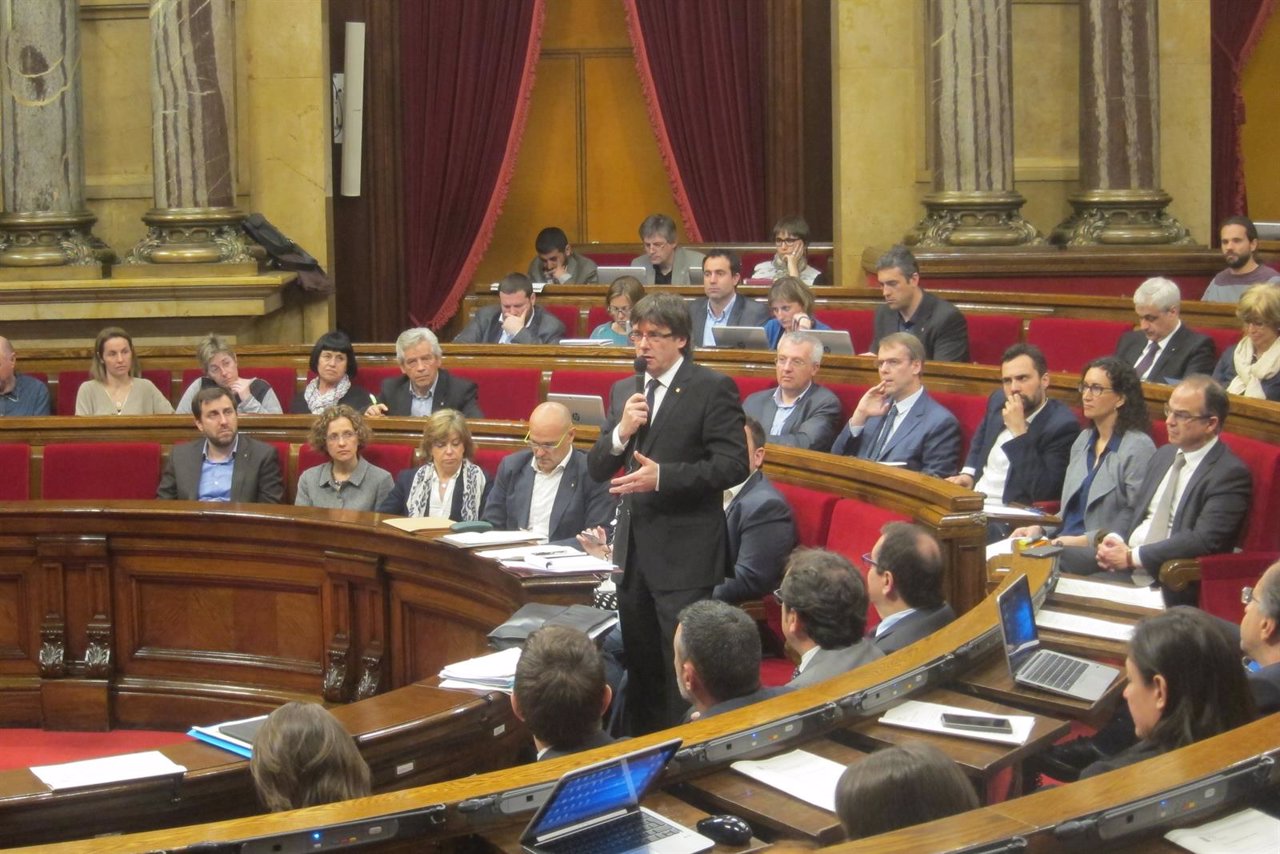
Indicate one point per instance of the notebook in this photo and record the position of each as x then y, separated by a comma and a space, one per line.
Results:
741, 337
596, 810
1030, 664
583, 408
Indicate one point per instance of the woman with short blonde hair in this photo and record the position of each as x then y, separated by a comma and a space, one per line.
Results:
1252, 367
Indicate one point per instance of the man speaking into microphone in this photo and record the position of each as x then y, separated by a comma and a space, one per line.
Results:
680, 443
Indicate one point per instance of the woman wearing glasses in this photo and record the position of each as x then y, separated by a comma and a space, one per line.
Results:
624, 293
1107, 464
218, 361
348, 481
791, 240
1252, 367
450, 484
791, 303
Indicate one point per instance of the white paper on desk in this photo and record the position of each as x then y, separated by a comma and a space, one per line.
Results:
476, 539
914, 714
1061, 621
1000, 547
108, 769
585, 342
496, 668
1008, 511
1249, 831
464, 685
516, 553
801, 774
1121, 594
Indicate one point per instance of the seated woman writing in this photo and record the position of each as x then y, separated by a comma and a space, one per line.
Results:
450, 483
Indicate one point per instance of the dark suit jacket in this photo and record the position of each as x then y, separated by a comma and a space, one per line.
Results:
580, 502
937, 323
1265, 685
1187, 353
1131, 755
1037, 458
745, 312
812, 424
917, 625
676, 538
255, 477
928, 439
1209, 517
599, 738
756, 696
486, 328
357, 397
451, 393
762, 533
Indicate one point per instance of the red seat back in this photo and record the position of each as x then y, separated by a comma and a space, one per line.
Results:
85, 471
1261, 532
615, 259
1069, 344
849, 395
505, 393
811, 510
308, 458
15, 463
68, 385
391, 458
969, 410
990, 335
1223, 338
859, 323
568, 315
748, 386
855, 527
489, 459
374, 376
596, 315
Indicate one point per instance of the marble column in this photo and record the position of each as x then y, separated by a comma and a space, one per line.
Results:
193, 136
1120, 200
973, 202
45, 222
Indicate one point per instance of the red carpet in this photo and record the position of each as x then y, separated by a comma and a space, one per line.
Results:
20, 748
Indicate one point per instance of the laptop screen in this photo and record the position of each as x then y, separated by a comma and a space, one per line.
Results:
601, 789
1018, 623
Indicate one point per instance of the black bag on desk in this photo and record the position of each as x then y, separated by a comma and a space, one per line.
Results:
534, 615
287, 255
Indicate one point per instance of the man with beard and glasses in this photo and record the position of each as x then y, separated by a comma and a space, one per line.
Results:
225, 466
1238, 238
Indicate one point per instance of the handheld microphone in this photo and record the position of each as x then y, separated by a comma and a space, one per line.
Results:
640, 364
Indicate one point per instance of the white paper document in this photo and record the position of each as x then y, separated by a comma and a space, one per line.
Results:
1121, 594
1000, 547
475, 539
1008, 511
108, 769
800, 774
1249, 831
527, 552
586, 342
1077, 625
496, 670
913, 714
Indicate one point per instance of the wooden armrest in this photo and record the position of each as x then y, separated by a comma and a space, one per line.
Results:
1178, 573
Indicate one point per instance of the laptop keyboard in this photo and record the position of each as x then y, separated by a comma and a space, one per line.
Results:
630, 831
1054, 671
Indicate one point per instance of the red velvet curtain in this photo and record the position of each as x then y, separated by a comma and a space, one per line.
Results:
467, 71
1236, 26
702, 70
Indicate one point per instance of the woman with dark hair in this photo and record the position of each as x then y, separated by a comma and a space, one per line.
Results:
333, 361
303, 757
348, 481
1185, 684
791, 258
1107, 464
791, 303
900, 786
623, 294
116, 385
450, 483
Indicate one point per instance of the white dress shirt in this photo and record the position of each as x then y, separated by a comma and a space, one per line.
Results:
1194, 458
545, 487
996, 471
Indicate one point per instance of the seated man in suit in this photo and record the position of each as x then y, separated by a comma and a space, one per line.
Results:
897, 421
798, 412
20, 395
665, 261
560, 692
514, 320
717, 659
1195, 495
904, 583
824, 615
722, 305
424, 387
1020, 451
1164, 350
908, 308
1260, 639
225, 466
557, 263
546, 489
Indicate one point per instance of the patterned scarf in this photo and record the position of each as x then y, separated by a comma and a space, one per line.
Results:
1250, 374
425, 480
318, 401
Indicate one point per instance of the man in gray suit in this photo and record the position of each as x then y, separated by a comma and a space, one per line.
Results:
547, 489
897, 421
798, 412
225, 466
824, 614
514, 320
722, 305
904, 583
665, 261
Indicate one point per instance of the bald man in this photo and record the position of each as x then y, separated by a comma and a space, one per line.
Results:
20, 395
546, 488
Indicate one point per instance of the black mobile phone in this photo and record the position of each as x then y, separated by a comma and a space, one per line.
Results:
977, 723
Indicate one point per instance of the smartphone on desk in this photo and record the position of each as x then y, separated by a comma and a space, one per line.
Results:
977, 723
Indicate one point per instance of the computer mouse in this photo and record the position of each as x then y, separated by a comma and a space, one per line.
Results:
725, 829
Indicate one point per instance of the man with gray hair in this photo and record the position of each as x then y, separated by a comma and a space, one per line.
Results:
797, 412
1163, 350
908, 308
20, 395
423, 387
665, 262
717, 659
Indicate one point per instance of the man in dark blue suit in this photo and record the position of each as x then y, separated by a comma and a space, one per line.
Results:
1164, 350
904, 584
547, 489
897, 421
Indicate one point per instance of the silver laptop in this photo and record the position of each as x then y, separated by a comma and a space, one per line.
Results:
1031, 664
606, 275
837, 341
596, 810
740, 337
583, 408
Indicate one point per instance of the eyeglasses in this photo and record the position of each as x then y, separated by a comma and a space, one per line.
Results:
1246, 595
620, 310
790, 362
344, 436
637, 337
1092, 390
785, 241
1182, 417
777, 596
545, 446
870, 562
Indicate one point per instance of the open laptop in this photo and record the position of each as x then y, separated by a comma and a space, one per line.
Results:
606, 275
1031, 664
740, 337
596, 810
837, 341
583, 408
695, 275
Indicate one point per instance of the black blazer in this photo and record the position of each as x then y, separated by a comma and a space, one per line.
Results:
581, 502
1037, 458
1187, 353
486, 328
917, 625
745, 312
762, 533
938, 324
1265, 685
357, 397
451, 393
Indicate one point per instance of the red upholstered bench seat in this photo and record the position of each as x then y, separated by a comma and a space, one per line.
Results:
855, 527
100, 471
15, 462
569, 316
859, 323
1069, 344
508, 394
991, 334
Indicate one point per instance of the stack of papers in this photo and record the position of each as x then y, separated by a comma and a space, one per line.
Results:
1122, 594
478, 539
547, 559
486, 673
109, 769
1078, 625
914, 714
235, 736
801, 774
1249, 831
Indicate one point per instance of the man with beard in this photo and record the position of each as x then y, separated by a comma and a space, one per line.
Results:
1238, 238
1019, 453
225, 466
